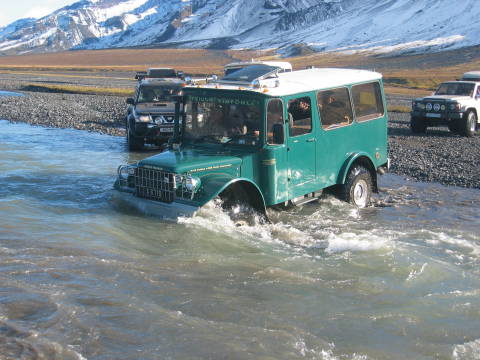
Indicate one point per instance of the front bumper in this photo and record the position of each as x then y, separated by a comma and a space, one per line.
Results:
172, 210
154, 132
437, 118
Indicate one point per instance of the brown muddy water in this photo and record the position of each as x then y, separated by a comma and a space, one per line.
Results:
82, 278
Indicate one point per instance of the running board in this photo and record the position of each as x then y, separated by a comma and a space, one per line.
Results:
301, 200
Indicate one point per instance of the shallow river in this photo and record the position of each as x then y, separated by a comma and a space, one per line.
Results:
83, 278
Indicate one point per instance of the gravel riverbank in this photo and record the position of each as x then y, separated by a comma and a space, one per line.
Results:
437, 156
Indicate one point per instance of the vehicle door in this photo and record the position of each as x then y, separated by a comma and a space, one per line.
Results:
301, 146
337, 137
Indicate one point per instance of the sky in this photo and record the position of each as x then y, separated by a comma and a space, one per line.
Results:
12, 10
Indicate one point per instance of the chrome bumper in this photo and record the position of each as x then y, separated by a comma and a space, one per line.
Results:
172, 210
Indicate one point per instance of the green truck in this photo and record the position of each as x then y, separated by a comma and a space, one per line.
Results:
264, 138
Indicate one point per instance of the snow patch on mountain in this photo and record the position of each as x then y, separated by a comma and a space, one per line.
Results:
380, 26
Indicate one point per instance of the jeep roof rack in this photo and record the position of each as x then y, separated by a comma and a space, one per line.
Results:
159, 73
251, 73
471, 76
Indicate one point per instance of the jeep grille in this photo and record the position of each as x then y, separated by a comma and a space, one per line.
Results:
154, 184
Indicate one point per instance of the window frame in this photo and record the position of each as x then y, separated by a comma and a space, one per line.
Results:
378, 97
337, 125
290, 123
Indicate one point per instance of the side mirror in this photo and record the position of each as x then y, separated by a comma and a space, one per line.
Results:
278, 134
130, 101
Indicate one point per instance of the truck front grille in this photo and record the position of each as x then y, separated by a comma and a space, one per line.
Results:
154, 184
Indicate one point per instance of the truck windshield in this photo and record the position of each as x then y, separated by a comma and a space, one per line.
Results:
223, 120
455, 88
149, 94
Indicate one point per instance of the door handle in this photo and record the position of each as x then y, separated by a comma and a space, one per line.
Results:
311, 140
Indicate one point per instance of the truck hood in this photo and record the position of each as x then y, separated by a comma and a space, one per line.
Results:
444, 98
194, 160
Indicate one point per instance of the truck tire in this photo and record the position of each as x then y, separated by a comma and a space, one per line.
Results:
357, 189
417, 125
468, 124
134, 143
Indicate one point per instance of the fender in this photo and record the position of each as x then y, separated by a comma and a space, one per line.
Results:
342, 175
214, 184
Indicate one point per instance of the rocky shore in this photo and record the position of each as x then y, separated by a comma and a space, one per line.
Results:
437, 156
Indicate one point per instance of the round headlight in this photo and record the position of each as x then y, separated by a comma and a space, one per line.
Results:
143, 118
428, 106
192, 183
442, 107
123, 171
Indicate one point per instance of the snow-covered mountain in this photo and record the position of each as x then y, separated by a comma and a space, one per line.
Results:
382, 26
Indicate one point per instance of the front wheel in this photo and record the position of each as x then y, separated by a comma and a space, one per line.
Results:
468, 124
357, 189
134, 143
417, 125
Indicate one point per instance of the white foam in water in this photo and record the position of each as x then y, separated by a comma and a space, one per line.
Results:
436, 238
467, 351
312, 234
366, 241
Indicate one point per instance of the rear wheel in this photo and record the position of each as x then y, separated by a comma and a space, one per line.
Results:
417, 125
468, 124
357, 189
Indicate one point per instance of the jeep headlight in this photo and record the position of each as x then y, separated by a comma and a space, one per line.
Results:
455, 107
143, 118
125, 174
418, 105
192, 183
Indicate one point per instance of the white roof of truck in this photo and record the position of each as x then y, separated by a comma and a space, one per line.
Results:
289, 83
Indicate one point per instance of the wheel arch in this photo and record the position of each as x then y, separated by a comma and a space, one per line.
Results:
472, 109
254, 196
359, 159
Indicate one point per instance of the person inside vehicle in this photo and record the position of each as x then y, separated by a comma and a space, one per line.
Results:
332, 112
300, 109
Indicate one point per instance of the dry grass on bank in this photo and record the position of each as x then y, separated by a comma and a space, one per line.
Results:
415, 75
73, 89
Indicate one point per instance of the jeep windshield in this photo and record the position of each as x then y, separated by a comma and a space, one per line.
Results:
223, 120
455, 88
152, 94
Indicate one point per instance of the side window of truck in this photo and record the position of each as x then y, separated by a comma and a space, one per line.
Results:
275, 122
300, 116
367, 100
335, 108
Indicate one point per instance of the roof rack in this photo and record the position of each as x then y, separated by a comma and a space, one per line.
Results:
159, 73
253, 75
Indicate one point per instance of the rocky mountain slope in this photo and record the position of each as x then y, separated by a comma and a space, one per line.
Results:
381, 26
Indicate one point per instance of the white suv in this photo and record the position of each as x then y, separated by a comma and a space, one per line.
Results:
455, 104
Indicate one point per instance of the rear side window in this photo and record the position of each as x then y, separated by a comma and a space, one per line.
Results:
367, 100
300, 116
335, 108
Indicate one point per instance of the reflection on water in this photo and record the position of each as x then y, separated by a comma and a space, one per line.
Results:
82, 278
9, 93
